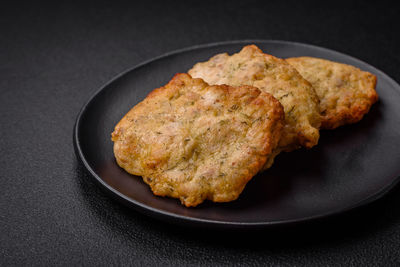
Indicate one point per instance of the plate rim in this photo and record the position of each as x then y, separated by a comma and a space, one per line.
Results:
182, 219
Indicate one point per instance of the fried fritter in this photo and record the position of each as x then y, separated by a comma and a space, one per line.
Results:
346, 93
275, 76
194, 142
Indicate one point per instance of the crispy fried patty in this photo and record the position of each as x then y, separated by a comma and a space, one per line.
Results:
194, 142
346, 93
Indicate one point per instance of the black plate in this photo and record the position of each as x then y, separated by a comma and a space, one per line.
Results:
351, 166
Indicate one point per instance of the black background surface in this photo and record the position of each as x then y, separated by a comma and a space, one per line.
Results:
54, 56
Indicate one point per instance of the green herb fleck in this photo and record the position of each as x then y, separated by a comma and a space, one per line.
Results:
233, 107
289, 113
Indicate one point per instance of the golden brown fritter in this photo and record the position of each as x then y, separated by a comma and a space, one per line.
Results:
194, 142
275, 76
346, 93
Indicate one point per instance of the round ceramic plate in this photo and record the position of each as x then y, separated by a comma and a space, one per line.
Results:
350, 167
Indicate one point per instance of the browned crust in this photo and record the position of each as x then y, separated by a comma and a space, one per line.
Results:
352, 114
352, 101
273, 75
153, 167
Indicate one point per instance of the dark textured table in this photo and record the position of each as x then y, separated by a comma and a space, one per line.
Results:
54, 56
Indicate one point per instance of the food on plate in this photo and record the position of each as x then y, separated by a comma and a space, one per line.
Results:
346, 93
275, 76
192, 141
205, 134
